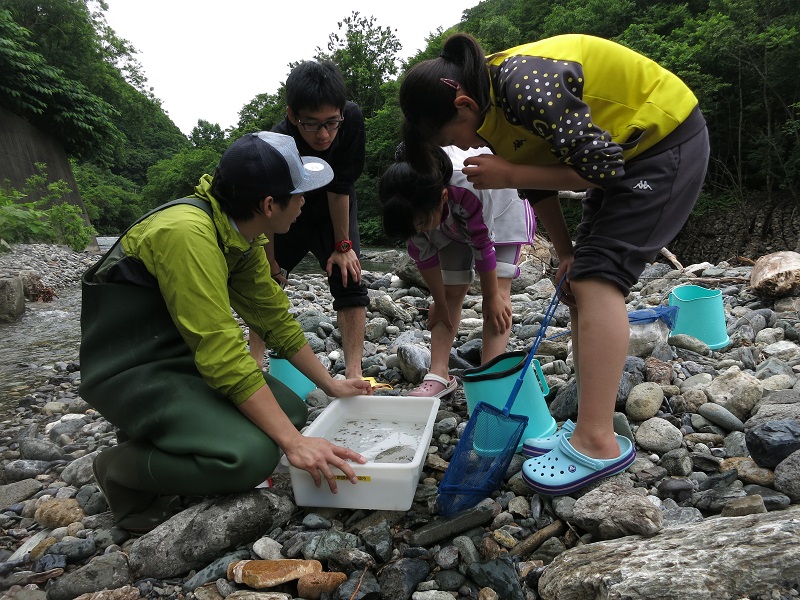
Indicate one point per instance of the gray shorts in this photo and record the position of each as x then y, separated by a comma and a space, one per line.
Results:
625, 225
456, 261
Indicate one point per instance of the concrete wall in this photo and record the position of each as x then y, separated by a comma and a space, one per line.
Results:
22, 145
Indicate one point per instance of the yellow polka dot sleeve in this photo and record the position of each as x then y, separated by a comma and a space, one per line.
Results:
545, 96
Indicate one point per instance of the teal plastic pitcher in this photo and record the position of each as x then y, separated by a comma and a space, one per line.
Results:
493, 382
284, 371
701, 315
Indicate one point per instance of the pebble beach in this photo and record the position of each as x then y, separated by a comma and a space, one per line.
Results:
708, 509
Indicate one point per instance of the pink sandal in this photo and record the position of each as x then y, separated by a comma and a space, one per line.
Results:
433, 386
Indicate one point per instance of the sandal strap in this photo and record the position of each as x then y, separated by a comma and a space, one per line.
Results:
569, 425
578, 457
436, 378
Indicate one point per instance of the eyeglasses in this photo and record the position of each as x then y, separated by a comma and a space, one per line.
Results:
315, 127
451, 83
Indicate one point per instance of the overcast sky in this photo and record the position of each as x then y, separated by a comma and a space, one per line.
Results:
206, 59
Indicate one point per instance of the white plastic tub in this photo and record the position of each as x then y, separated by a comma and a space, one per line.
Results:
392, 432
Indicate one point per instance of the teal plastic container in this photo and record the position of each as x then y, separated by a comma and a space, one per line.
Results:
285, 372
701, 315
492, 383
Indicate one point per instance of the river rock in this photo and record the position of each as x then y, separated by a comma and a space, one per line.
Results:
614, 510
776, 275
12, 299
658, 435
771, 442
195, 537
787, 476
736, 391
639, 568
643, 401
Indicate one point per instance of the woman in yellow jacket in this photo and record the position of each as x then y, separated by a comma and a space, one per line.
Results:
573, 112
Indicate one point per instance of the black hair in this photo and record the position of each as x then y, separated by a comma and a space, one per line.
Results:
315, 84
407, 194
427, 101
242, 208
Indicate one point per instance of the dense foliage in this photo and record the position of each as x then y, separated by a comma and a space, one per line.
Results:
739, 56
48, 218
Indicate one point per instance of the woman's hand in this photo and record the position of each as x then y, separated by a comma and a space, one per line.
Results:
319, 457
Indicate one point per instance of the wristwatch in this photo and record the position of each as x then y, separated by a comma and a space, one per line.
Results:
344, 246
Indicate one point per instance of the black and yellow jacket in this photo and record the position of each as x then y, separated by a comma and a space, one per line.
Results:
582, 101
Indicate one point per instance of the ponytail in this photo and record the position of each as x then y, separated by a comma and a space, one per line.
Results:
427, 101
408, 196
464, 50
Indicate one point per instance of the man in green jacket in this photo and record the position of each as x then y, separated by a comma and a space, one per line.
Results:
165, 361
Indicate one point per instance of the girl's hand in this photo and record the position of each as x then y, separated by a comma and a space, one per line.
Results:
319, 457
438, 313
497, 313
564, 265
489, 172
345, 388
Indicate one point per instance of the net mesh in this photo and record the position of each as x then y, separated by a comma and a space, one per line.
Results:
481, 458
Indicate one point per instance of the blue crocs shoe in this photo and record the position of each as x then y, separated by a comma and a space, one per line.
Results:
533, 447
564, 470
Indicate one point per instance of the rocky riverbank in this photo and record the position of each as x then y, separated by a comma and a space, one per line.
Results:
707, 510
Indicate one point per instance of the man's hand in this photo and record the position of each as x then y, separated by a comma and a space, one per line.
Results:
348, 263
346, 388
319, 457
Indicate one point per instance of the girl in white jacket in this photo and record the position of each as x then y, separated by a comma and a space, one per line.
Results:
451, 227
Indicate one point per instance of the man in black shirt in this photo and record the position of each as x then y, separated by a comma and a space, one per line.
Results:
324, 124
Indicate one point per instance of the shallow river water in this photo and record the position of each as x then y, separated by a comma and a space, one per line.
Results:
49, 332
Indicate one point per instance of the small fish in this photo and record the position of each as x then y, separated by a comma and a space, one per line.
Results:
397, 454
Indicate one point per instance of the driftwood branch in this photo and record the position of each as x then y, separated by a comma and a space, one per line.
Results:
532, 542
671, 258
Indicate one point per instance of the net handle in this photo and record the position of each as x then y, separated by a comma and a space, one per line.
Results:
548, 315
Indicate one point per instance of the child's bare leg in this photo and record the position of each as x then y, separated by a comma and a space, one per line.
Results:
494, 344
575, 335
603, 332
442, 337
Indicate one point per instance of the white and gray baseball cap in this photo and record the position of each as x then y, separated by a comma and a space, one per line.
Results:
267, 163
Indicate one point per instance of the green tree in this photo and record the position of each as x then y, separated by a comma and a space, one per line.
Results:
751, 49
36, 90
177, 176
366, 53
112, 202
208, 135
603, 18
262, 113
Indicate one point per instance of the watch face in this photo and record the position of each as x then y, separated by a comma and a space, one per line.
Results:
345, 246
